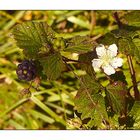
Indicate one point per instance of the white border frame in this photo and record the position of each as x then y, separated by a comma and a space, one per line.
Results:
69, 4
70, 135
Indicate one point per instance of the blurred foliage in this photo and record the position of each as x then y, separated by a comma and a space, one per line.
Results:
52, 106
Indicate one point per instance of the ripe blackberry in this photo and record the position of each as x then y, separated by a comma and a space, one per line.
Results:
26, 70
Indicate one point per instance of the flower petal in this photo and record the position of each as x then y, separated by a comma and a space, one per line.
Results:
100, 50
96, 63
108, 69
112, 50
117, 62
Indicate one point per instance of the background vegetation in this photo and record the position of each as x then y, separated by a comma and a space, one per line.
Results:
52, 107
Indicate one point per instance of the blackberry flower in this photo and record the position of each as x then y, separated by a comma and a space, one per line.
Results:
26, 70
107, 59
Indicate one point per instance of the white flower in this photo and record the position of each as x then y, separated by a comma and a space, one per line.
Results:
107, 59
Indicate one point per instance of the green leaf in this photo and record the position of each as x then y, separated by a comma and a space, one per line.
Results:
80, 44
33, 37
116, 95
132, 18
52, 65
108, 39
130, 47
136, 41
120, 33
59, 43
125, 32
126, 46
90, 102
88, 82
87, 58
127, 39
135, 113
119, 76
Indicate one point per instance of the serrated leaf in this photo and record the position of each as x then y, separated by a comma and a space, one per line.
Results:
126, 40
116, 95
90, 83
125, 32
108, 39
33, 37
87, 58
120, 33
135, 34
126, 46
135, 113
132, 18
130, 47
80, 44
52, 66
90, 102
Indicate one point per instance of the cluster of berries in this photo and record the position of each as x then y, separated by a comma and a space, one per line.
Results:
26, 70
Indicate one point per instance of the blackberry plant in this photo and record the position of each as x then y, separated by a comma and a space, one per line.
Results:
102, 106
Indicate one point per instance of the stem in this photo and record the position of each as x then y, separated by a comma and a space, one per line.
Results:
129, 59
93, 21
77, 76
117, 20
67, 59
133, 76
132, 86
81, 83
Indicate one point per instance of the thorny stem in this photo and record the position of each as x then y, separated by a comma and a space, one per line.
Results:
129, 59
117, 20
81, 82
132, 86
66, 60
136, 91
